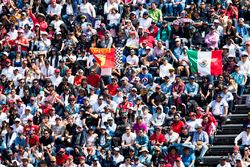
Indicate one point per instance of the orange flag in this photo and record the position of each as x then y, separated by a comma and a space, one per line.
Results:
105, 57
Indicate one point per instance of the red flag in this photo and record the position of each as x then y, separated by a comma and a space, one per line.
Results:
105, 57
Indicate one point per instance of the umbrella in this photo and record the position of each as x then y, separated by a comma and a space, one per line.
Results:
182, 20
188, 145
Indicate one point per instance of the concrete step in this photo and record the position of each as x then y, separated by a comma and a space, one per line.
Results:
231, 129
211, 161
237, 118
219, 150
224, 139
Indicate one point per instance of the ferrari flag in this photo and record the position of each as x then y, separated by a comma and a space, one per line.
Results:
105, 57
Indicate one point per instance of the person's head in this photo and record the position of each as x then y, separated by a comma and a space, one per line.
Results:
131, 151
244, 57
229, 23
176, 118
236, 68
157, 150
192, 116
153, 5
248, 128
198, 127
103, 130
191, 79
159, 109
158, 130
223, 160
177, 42
127, 161
25, 161
128, 129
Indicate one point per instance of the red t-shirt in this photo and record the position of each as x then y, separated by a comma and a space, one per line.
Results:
23, 41
34, 140
46, 110
94, 80
112, 89
149, 39
123, 107
177, 126
61, 159
170, 158
158, 139
27, 128
78, 80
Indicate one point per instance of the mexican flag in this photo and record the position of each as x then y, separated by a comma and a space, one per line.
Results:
105, 57
205, 63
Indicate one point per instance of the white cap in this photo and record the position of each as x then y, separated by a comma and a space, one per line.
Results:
28, 108
5, 53
44, 33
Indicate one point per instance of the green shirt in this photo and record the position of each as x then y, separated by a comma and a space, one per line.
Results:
156, 14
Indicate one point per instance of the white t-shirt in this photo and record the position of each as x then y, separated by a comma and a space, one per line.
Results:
118, 159
132, 60
218, 107
164, 69
226, 165
192, 124
172, 138
145, 23
128, 139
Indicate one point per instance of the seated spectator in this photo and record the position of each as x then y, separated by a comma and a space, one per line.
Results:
219, 109
200, 141
243, 136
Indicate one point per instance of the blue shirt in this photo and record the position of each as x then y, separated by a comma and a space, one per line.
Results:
239, 78
203, 136
192, 88
166, 88
142, 140
187, 159
20, 142
145, 78
242, 31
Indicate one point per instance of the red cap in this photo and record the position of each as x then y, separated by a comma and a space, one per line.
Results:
199, 108
70, 157
236, 148
81, 157
132, 33
11, 101
62, 150
178, 159
247, 43
102, 25
57, 70
19, 99
30, 119
20, 30
53, 1
146, 30
68, 70
8, 60
222, 11
168, 165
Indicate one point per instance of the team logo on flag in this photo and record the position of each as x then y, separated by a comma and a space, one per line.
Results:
203, 63
105, 57
102, 59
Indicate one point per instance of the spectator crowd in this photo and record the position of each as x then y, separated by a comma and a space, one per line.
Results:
59, 107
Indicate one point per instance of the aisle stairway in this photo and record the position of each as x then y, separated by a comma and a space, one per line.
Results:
224, 141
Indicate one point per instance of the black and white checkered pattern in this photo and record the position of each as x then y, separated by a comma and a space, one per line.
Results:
118, 58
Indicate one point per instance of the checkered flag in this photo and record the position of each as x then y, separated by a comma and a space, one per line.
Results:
118, 58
